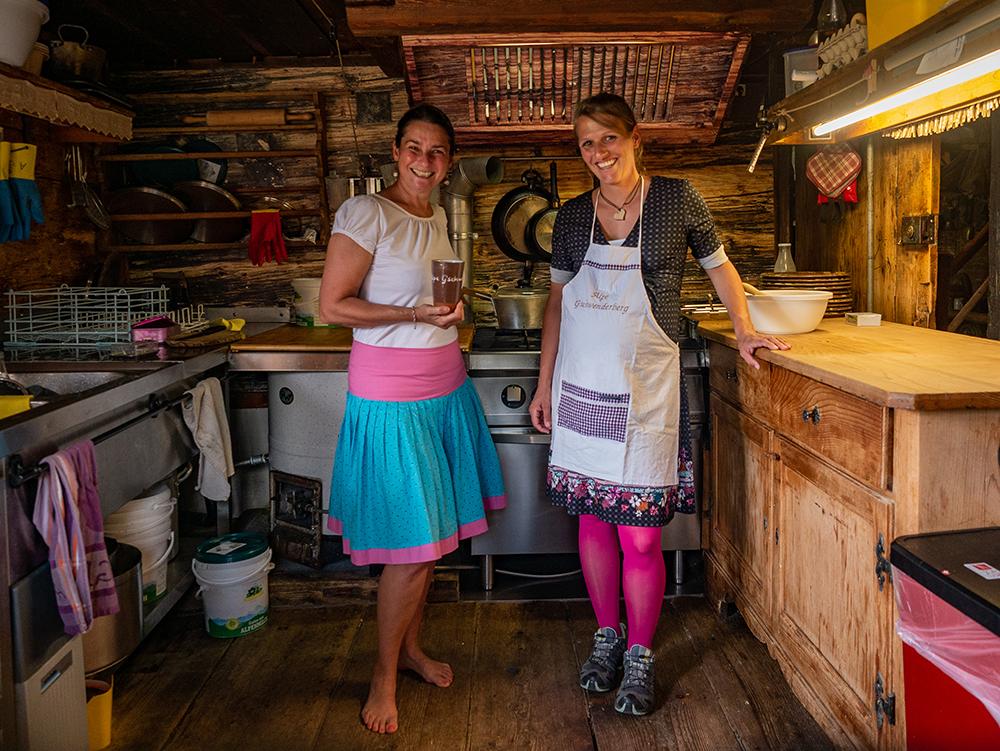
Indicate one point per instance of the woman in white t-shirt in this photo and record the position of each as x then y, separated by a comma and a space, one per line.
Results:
415, 466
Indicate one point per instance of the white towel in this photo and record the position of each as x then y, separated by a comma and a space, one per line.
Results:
205, 416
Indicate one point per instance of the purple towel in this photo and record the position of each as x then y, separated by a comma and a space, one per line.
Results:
65, 509
57, 519
102, 580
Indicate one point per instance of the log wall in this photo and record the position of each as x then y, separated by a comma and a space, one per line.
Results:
360, 130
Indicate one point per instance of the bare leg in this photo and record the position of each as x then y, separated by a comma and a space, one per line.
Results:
402, 589
411, 657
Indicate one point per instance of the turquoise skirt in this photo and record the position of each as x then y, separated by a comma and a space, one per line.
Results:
412, 478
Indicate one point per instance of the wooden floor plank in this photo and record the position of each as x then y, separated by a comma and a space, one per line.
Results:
752, 691
430, 717
271, 689
157, 685
525, 693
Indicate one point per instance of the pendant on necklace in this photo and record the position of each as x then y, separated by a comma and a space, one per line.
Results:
619, 215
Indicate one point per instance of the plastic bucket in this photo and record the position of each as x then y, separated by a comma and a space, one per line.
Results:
231, 572
307, 303
99, 713
22, 20
154, 576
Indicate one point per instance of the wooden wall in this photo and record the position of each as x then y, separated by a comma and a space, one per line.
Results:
741, 203
907, 175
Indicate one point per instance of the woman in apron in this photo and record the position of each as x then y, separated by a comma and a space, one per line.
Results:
610, 387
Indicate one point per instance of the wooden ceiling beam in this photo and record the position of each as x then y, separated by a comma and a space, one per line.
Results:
412, 17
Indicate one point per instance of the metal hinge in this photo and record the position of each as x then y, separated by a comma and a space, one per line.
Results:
918, 230
885, 704
882, 566
711, 503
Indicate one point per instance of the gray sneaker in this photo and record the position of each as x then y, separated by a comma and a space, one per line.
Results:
600, 670
635, 695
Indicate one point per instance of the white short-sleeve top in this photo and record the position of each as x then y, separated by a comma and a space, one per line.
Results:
402, 247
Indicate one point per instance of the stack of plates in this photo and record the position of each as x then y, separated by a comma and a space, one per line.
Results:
837, 282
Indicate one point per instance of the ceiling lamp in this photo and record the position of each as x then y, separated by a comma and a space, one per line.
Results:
982, 66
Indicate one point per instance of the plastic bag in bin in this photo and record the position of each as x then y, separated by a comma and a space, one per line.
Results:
959, 647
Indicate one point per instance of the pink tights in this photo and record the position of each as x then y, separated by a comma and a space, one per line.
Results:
644, 580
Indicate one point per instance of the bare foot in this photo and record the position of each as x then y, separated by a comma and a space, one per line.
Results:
433, 671
379, 713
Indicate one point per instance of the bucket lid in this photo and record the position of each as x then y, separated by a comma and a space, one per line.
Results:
240, 546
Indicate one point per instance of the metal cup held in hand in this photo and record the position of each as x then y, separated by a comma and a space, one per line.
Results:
446, 281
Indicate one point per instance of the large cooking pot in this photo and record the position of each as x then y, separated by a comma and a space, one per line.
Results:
513, 212
70, 60
538, 233
516, 307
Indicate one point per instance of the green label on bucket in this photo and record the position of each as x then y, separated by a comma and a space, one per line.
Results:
228, 628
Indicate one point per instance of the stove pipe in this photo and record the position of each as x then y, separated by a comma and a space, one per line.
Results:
456, 197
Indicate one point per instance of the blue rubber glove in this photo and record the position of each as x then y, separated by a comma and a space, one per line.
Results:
27, 202
7, 217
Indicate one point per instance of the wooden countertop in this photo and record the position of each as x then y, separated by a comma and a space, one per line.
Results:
292, 338
892, 364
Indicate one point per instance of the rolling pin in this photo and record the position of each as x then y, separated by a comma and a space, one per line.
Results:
247, 117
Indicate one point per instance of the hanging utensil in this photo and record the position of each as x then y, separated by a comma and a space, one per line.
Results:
92, 204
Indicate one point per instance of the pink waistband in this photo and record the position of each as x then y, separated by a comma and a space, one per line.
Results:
400, 374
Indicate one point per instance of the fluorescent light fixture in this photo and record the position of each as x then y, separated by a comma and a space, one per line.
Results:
954, 77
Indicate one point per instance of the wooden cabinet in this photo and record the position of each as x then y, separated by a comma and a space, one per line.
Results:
796, 518
818, 460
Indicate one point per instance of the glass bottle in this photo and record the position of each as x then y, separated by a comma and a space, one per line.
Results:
832, 17
784, 262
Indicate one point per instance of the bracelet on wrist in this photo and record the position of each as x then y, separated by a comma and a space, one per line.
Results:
414, 311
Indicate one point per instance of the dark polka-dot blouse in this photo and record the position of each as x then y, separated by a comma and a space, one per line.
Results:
674, 218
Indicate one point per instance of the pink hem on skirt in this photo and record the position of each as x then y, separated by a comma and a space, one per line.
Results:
420, 554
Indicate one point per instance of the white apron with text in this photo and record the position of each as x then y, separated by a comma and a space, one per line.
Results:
615, 390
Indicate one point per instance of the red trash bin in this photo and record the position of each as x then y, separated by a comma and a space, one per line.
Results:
947, 589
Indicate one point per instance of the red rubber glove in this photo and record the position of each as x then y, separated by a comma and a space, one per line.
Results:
266, 242
260, 228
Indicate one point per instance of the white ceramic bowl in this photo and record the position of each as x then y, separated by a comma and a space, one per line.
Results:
787, 311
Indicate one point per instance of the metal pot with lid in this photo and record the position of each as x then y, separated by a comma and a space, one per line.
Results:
516, 307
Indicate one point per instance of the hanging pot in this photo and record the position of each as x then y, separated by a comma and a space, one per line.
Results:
512, 213
71, 60
538, 233
516, 307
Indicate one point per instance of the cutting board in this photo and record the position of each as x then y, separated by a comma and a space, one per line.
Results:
291, 338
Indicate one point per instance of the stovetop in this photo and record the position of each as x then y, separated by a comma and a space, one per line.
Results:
505, 349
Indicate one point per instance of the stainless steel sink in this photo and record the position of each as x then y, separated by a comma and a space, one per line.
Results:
59, 379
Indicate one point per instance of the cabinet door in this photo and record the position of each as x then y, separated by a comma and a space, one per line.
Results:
829, 614
742, 471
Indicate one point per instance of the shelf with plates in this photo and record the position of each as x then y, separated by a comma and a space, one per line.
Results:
299, 169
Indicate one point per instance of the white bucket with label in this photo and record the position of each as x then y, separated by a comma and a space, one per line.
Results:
307, 303
152, 532
231, 572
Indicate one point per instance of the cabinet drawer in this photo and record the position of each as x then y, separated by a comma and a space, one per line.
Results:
738, 383
852, 433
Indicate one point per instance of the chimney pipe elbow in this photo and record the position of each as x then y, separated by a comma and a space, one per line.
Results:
472, 172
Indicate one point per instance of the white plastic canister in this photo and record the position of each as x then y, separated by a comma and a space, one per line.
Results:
307, 303
231, 572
